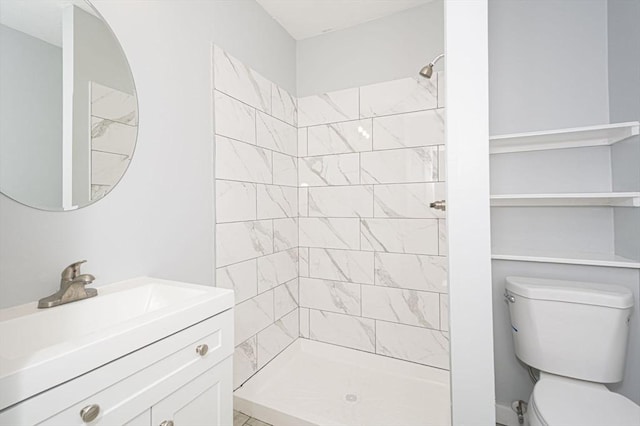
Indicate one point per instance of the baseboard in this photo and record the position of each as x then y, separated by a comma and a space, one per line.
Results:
506, 416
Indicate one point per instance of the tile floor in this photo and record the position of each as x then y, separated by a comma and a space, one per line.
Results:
241, 419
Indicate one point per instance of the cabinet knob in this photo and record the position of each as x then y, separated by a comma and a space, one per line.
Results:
89, 413
167, 423
202, 351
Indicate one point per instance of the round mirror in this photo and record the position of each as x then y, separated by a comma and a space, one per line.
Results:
68, 107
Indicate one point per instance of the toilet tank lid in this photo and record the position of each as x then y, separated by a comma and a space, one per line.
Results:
610, 295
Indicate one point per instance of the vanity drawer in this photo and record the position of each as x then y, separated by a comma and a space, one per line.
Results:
125, 388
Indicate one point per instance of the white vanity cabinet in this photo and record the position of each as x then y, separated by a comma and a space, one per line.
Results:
184, 379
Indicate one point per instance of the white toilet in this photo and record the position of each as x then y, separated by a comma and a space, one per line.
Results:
576, 334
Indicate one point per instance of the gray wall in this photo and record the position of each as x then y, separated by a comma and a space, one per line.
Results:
549, 66
31, 88
624, 96
389, 48
159, 220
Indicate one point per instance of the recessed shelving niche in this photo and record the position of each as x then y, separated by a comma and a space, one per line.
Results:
582, 137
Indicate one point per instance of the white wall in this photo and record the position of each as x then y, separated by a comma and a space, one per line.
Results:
385, 49
31, 88
159, 220
548, 64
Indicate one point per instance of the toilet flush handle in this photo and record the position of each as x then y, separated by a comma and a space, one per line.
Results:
509, 298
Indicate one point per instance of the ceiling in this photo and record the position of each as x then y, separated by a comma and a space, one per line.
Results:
309, 18
41, 19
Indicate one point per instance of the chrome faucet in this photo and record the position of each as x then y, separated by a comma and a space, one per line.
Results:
72, 287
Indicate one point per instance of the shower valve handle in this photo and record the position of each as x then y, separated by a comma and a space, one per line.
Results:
439, 205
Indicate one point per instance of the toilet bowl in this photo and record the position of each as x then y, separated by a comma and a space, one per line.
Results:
576, 334
567, 402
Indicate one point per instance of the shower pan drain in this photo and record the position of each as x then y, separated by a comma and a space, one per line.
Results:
351, 397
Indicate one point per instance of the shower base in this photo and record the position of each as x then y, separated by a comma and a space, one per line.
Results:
313, 383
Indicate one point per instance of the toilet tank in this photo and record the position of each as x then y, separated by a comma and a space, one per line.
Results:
569, 328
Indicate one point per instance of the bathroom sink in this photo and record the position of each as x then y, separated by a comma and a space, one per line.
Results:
41, 348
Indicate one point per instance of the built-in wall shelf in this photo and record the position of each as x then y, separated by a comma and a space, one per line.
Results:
606, 134
614, 199
574, 258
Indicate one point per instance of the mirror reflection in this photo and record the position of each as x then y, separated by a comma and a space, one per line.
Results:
68, 108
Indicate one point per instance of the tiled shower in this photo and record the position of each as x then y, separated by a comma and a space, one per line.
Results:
323, 223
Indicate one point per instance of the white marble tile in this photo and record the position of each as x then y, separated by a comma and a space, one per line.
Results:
304, 322
240, 161
99, 191
341, 105
333, 296
341, 201
416, 344
253, 315
235, 201
409, 130
398, 96
275, 201
409, 200
302, 142
107, 169
343, 330
276, 135
285, 298
245, 362
442, 163
234, 119
341, 265
339, 138
444, 312
285, 233
410, 307
442, 236
114, 137
400, 165
441, 85
285, 169
275, 338
113, 104
303, 202
241, 277
284, 105
277, 268
234, 78
239, 241
417, 236
428, 273
303, 261
329, 170
329, 233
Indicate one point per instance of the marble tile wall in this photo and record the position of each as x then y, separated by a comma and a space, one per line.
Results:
323, 225
372, 256
114, 128
256, 171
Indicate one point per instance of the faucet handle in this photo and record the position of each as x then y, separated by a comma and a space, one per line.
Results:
72, 271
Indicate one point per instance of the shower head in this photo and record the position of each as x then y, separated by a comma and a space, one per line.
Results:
427, 71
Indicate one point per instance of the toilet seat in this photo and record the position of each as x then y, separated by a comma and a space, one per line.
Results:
557, 402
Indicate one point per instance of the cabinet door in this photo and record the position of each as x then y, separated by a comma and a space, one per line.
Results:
207, 400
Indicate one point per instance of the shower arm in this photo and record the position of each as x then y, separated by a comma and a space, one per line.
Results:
436, 59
